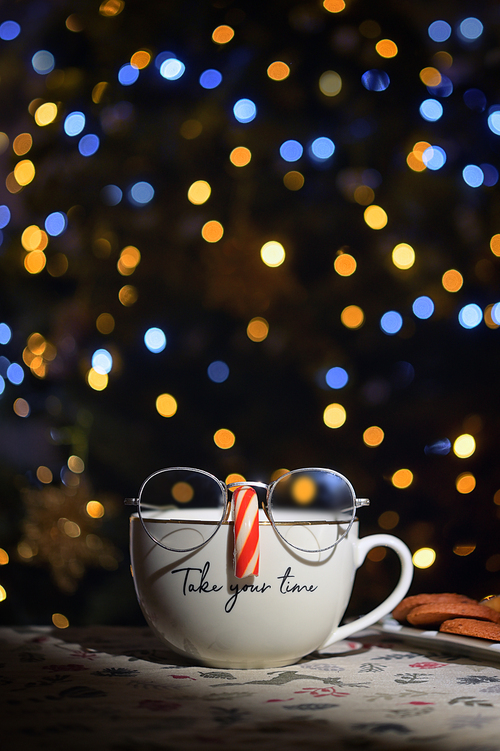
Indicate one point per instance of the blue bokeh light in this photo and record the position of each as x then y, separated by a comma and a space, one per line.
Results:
141, 193
473, 175
322, 148
441, 447
210, 78
4, 216
128, 74
494, 121
431, 110
2, 385
470, 29
444, 87
434, 157
470, 316
88, 144
495, 313
245, 110
111, 195
9, 30
475, 100
43, 62
375, 80
74, 123
291, 150
4, 364
15, 373
439, 31
336, 378
391, 322
56, 223
172, 69
490, 175
155, 340
102, 361
5, 333
218, 371
423, 307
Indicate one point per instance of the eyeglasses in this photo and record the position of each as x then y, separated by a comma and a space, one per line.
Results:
307, 498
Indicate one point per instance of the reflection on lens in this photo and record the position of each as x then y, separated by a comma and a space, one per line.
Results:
304, 490
312, 496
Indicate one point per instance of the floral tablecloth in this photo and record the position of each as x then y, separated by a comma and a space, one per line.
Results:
120, 689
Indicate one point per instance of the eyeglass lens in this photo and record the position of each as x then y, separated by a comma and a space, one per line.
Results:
170, 492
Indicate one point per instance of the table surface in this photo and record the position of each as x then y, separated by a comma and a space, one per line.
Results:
120, 689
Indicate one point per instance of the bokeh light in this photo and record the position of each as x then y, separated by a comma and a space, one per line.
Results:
386, 48
391, 322
403, 256
373, 436
74, 123
291, 150
272, 253
240, 156
210, 78
128, 74
166, 405
431, 110
56, 223
102, 361
464, 446
9, 30
465, 483
212, 231
470, 29
375, 217
223, 34
424, 558
218, 371
330, 83
60, 621
224, 438
43, 62
375, 80
434, 157
470, 316
172, 69
452, 280
402, 478
245, 110
345, 264
278, 71
155, 340
293, 180
423, 307
334, 416
88, 144
336, 377
439, 31
388, 519
321, 148
258, 329
199, 192
352, 317
141, 193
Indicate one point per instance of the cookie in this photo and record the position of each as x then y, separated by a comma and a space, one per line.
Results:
433, 614
493, 602
400, 612
471, 627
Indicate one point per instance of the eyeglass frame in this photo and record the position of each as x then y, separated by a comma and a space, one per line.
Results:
269, 487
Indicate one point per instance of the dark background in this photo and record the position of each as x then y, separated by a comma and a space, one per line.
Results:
428, 383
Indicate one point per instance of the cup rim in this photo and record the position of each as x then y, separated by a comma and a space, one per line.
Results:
230, 522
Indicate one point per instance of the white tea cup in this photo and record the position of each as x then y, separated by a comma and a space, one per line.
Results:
196, 605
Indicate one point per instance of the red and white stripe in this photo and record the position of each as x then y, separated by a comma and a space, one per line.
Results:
246, 532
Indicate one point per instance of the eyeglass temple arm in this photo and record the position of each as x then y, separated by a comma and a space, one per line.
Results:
362, 502
131, 501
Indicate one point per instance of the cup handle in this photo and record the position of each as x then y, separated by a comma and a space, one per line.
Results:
364, 545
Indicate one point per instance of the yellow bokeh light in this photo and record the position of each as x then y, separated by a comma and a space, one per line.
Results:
111, 8
402, 478
46, 114
24, 172
388, 520
35, 262
97, 381
31, 237
95, 509
496, 498
130, 258
272, 253
127, 295
98, 91
190, 129
76, 464
44, 475
4, 557
224, 438
495, 245
415, 162
465, 483
57, 264
488, 318
182, 492
403, 256
22, 144
74, 23
223, 34
424, 557
199, 192
257, 329
452, 280
443, 59
375, 216
11, 184
364, 195
463, 550
278, 71
345, 264
4, 142
240, 156
21, 407
352, 317
373, 436
36, 343
59, 620
140, 59
334, 415
430, 76
334, 6
386, 48
105, 323
464, 446
293, 180
330, 83
234, 477
71, 529
166, 405
304, 490
212, 231
3, 593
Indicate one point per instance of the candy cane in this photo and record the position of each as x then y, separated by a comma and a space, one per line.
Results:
246, 532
